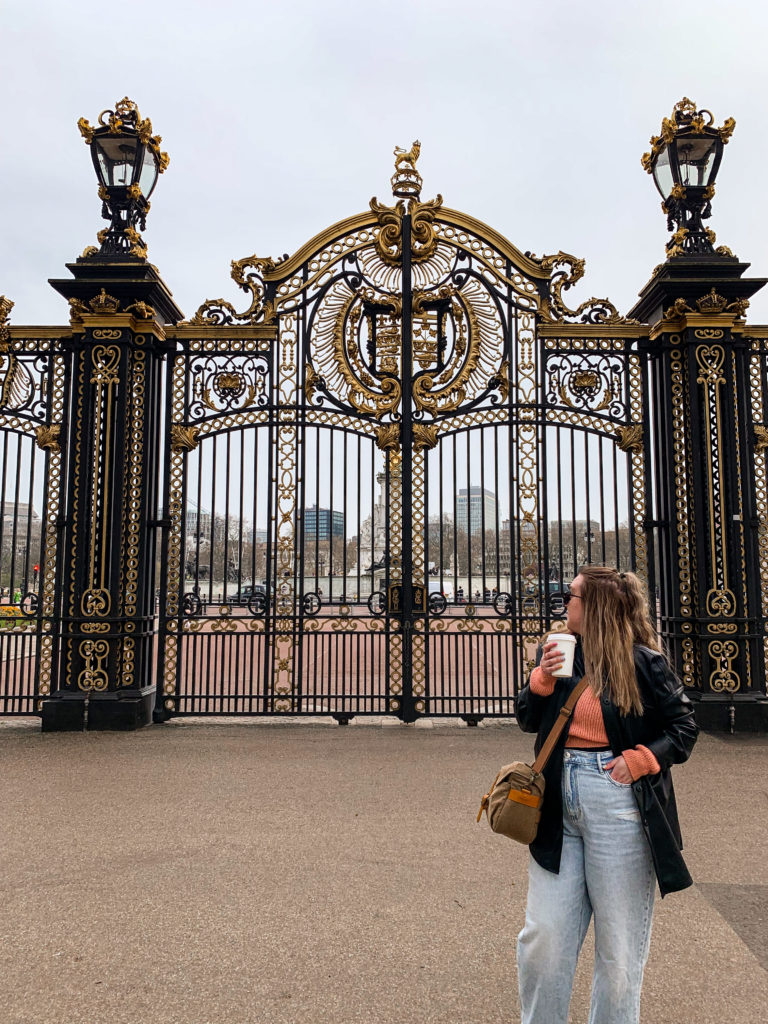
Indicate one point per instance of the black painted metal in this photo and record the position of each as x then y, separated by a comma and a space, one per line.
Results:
359, 632
307, 565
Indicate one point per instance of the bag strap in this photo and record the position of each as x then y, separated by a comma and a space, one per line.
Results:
562, 717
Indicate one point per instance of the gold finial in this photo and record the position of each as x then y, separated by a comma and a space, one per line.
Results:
406, 181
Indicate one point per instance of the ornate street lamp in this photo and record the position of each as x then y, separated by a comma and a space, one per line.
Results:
127, 159
684, 161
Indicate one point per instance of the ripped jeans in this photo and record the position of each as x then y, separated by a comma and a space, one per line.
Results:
605, 870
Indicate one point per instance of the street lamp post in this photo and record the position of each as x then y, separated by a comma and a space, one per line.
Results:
119, 309
701, 519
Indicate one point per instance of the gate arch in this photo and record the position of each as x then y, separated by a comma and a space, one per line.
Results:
426, 398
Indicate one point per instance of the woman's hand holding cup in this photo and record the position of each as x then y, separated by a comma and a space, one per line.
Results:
551, 659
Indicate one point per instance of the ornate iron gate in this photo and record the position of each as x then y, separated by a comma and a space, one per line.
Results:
34, 379
384, 472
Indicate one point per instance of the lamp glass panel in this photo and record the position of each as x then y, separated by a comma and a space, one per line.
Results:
662, 173
116, 158
696, 157
148, 174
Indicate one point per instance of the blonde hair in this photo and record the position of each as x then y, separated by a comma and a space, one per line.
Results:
615, 617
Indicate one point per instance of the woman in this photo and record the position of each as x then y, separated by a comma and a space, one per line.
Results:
609, 826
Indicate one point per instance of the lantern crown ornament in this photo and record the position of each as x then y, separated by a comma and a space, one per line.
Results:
127, 159
684, 161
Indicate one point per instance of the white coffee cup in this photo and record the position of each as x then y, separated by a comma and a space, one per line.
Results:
566, 645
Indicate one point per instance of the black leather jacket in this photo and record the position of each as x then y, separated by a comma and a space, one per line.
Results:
667, 727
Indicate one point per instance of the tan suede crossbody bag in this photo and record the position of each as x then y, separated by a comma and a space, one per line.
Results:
513, 803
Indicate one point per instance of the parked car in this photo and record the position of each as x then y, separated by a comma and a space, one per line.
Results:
557, 592
249, 590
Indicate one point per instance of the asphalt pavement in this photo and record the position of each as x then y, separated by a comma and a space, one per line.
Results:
283, 872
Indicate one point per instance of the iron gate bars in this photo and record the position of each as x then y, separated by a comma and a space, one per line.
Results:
368, 504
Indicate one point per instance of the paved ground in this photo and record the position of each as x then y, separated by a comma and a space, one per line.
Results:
267, 873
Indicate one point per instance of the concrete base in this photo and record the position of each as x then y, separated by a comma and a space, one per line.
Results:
77, 712
730, 713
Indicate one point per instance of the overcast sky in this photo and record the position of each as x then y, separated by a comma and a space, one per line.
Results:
281, 118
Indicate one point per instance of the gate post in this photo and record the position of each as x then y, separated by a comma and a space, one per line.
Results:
107, 583
703, 494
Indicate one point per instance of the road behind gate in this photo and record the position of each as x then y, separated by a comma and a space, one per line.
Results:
274, 872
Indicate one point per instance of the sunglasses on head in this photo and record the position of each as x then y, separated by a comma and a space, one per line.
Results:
567, 598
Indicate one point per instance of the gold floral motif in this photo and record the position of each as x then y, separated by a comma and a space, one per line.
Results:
48, 436
184, 439
388, 437
424, 436
311, 382
761, 437
630, 438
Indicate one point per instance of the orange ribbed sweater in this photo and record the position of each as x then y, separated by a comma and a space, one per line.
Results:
588, 730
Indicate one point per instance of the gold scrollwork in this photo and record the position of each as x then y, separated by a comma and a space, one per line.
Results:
389, 239
423, 236
724, 678
95, 601
708, 334
219, 312
593, 311
106, 362
721, 601
94, 675
107, 334
6, 305
710, 360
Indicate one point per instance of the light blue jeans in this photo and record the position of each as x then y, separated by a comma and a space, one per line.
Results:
605, 870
